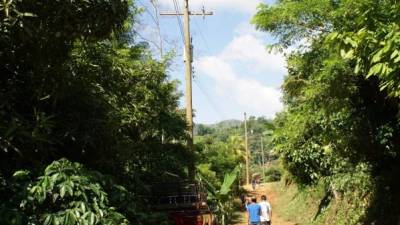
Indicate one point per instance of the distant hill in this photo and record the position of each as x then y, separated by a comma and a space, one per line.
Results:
202, 129
228, 123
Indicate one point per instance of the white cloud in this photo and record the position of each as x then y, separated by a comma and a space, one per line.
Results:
250, 94
247, 28
246, 6
252, 51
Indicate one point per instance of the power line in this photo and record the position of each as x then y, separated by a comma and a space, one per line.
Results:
155, 8
177, 11
202, 36
208, 99
188, 69
197, 81
178, 6
155, 18
148, 11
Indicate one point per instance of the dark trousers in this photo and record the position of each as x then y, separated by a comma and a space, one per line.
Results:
266, 223
254, 223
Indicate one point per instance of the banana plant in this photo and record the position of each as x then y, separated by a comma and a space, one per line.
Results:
221, 198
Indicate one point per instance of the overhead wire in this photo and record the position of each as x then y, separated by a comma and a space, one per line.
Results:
197, 81
155, 8
158, 44
202, 36
177, 12
208, 99
204, 40
146, 9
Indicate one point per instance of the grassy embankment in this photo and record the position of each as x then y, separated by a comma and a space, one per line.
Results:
313, 205
316, 204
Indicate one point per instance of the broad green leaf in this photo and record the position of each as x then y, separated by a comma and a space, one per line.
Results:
357, 68
48, 220
229, 179
349, 54
21, 174
396, 60
350, 41
394, 54
62, 191
377, 57
375, 69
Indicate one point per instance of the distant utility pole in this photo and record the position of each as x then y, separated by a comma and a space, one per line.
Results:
262, 157
188, 71
247, 150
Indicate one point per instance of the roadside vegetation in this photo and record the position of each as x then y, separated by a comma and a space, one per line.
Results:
339, 131
88, 119
313, 205
221, 149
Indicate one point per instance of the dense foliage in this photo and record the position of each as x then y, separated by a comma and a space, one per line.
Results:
341, 122
76, 85
221, 146
221, 156
65, 194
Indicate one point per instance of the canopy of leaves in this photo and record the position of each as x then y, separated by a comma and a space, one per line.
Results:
78, 88
76, 85
342, 107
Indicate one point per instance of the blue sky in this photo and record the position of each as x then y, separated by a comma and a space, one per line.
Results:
233, 71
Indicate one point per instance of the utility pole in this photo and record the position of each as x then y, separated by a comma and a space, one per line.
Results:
262, 157
188, 78
188, 72
247, 150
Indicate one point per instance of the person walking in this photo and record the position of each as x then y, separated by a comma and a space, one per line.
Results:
266, 211
253, 212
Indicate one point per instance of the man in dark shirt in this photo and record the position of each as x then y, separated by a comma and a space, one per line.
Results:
253, 212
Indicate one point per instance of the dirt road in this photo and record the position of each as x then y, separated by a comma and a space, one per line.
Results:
272, 197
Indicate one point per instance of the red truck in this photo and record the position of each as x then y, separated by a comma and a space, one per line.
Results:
184, 202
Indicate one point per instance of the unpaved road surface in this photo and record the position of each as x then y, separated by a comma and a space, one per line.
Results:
263, 189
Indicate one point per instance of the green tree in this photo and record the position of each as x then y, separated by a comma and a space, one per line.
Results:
341, 115
76, 84
83, 89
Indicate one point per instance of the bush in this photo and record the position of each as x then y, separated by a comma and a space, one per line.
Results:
273, 174
68, 194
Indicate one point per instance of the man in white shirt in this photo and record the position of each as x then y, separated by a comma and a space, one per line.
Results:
266, 211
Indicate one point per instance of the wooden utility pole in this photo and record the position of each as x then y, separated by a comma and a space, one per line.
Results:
262, 158
247, 150
188, 78
188, 72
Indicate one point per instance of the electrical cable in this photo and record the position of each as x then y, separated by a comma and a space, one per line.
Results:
208, 99
177, 12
